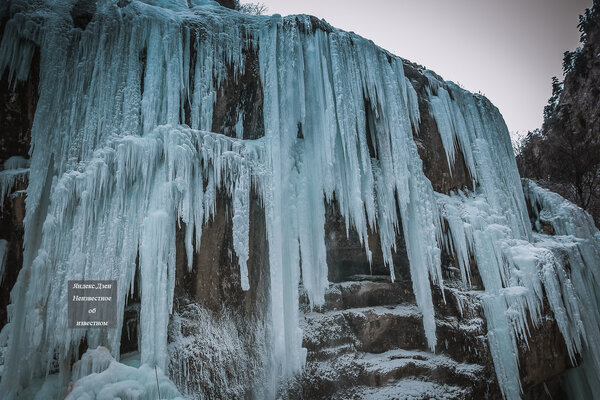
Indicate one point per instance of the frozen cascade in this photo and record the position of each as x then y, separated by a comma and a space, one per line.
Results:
578, 241
116, 170
518, 273
469, 122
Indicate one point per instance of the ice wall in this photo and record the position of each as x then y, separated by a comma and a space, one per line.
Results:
577, 247
115, 168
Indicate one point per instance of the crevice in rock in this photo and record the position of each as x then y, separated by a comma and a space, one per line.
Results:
131, 317
370, 127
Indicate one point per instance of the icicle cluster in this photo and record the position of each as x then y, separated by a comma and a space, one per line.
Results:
115, 169
518, 268
215, 357
575, 301
16, 169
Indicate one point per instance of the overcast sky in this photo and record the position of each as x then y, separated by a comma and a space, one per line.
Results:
507, 49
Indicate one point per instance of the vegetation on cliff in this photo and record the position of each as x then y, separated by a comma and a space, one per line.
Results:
564, 155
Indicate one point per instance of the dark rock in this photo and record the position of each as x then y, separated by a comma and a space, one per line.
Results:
544, 358
210, 306
17, 109
214, 281
346, 256
369, 334
11, 229
82, 13
18, 101
232, 4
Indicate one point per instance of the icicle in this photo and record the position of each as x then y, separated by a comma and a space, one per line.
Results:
575, 293
3, 253
241, 221
16, 169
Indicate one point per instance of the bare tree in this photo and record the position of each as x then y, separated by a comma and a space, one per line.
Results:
252, 8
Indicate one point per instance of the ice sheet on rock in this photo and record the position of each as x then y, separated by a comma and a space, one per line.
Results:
123, 160
3, 254
48, 387
16, 162
241, 223
111, 131
12, 174
577, 241
517, 274
93, 361
492, 243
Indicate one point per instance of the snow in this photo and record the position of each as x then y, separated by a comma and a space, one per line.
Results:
99, 376
395, 359
408, 311
115, 171
214, 355
410, 389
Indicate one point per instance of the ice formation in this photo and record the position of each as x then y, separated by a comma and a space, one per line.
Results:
99, 376
3, 250
204, 349
577, 250
115, 169
16, 169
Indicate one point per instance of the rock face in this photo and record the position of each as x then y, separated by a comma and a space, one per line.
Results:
368, 338
575, 123
430, 144
17, 108
564, 155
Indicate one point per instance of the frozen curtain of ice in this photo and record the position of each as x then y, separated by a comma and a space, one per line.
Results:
114, 170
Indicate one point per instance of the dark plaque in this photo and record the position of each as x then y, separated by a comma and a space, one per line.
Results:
92, 304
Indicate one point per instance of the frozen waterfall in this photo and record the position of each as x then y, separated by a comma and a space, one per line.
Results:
123, 152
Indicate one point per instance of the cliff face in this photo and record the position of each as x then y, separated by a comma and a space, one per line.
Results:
288, 210
580, 95
574, 126
565, 153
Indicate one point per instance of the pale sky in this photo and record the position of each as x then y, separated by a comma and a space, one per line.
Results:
507, 49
